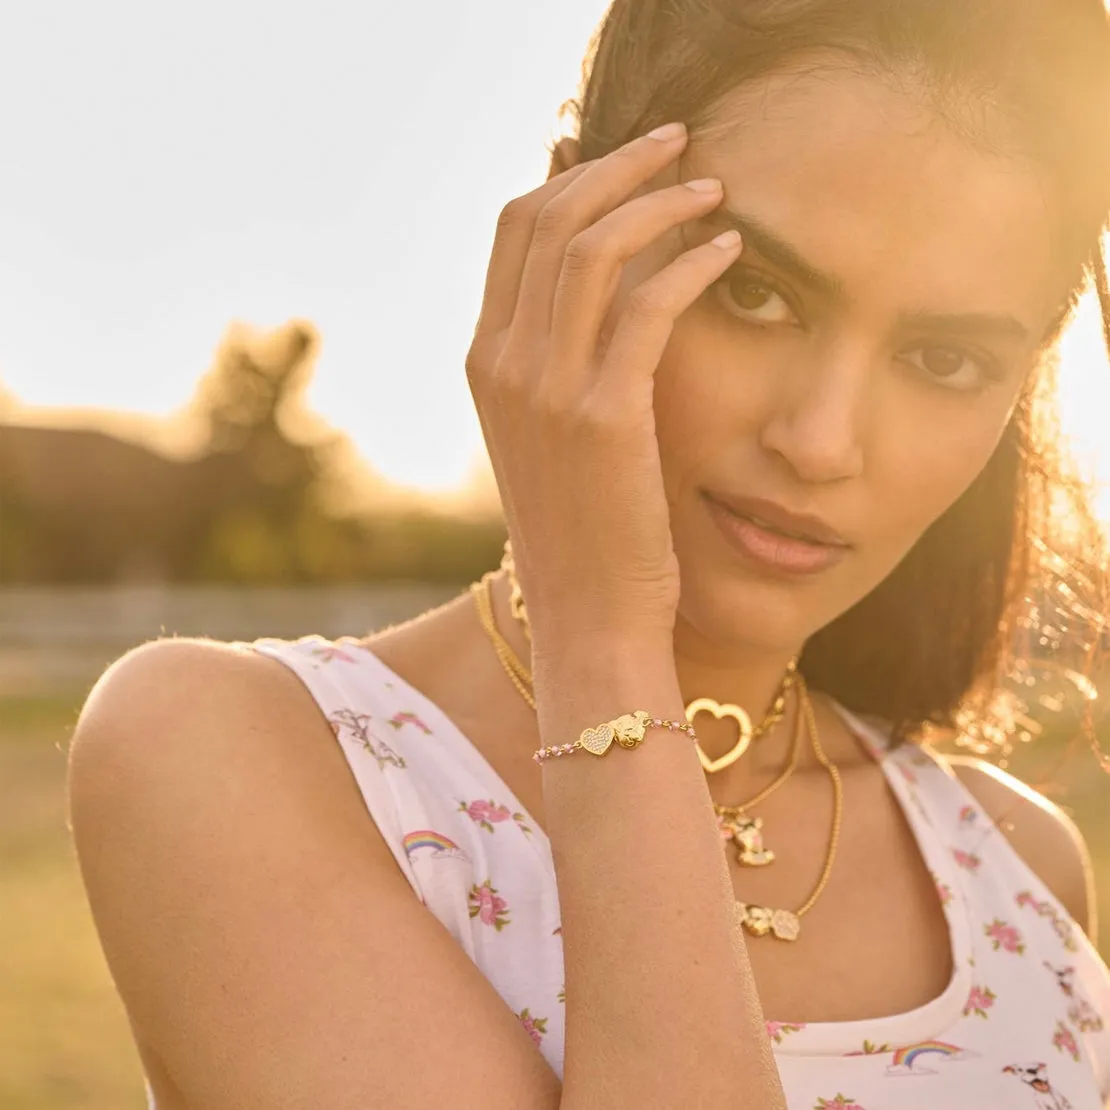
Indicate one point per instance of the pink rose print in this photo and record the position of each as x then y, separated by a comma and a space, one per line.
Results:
969, 861
1064, 1040
1004, 936
911, 778
399, 719
839, 1103
331, 651
944, 892
534, 1027
488, 906
968, 815
489, 813
486, 814
776, 1030
979, 1001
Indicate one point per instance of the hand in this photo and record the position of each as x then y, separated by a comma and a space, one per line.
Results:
568, 419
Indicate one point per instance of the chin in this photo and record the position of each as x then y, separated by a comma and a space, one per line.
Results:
734, 613
730, 597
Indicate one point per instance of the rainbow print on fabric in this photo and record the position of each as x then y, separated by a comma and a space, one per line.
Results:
428, 838
906, 1060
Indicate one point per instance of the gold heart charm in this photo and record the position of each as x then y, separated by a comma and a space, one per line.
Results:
743, 723
597, 740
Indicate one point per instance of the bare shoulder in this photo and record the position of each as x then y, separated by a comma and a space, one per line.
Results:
1040, 831
266, 946
166, 676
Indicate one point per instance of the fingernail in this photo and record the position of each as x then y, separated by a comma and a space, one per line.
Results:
668, 132
704, 185
727, 240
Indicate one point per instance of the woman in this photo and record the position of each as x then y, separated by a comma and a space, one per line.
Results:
797, 475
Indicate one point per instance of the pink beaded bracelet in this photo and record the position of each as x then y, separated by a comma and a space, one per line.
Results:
627, 730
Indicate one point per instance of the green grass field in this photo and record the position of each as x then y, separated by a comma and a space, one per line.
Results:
64, 1038
64, 1035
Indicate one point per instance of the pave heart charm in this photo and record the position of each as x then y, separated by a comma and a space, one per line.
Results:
743, 723
596, 740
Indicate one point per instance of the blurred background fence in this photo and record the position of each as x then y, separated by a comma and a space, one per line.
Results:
57, 639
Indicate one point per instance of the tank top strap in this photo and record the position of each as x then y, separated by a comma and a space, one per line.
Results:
470, 851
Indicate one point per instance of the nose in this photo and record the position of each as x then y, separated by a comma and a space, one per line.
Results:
816, 425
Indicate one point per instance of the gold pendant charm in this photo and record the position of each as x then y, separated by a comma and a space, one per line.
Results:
747, 835
630, 728
743, 723
761, 920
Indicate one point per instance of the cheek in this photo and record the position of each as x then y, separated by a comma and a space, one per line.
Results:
924, 457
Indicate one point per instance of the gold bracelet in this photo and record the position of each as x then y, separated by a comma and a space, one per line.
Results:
627, 730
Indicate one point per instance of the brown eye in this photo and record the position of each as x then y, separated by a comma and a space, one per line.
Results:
751, 295
942, 361
954, 367
745, 296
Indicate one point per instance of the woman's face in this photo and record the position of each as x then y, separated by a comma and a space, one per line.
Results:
859, 362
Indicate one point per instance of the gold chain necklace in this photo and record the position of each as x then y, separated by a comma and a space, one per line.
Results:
786, 924
758, 920
746, 733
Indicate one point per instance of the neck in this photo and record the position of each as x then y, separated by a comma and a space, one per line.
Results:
749, 677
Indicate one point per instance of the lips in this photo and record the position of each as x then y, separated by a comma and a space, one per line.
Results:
768, 526
764, 547
774, 518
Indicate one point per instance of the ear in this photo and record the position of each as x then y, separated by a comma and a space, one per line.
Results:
565, 155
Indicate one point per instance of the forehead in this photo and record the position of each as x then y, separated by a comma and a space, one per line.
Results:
868, 184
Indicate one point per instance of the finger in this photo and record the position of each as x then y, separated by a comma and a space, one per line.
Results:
592, 270
608, 182
567, 153
644, 328
511, 240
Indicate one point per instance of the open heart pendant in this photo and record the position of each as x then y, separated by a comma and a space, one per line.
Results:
743, 723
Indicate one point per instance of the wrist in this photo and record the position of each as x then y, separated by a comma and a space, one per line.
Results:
608, 665
619, 649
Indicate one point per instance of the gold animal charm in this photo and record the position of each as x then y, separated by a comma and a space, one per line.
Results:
747, 835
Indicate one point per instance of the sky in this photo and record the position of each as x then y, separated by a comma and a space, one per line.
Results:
171, 169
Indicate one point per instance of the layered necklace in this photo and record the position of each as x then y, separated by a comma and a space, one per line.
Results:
737, 826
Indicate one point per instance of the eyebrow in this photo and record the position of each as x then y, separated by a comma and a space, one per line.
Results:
758, 237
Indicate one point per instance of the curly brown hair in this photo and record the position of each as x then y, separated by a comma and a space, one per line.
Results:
938, 640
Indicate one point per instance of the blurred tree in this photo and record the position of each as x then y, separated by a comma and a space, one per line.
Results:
260, 483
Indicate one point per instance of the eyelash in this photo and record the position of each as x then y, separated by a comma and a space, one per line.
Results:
989, 370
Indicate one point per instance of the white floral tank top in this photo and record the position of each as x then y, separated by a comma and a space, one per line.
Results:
1024, 1023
